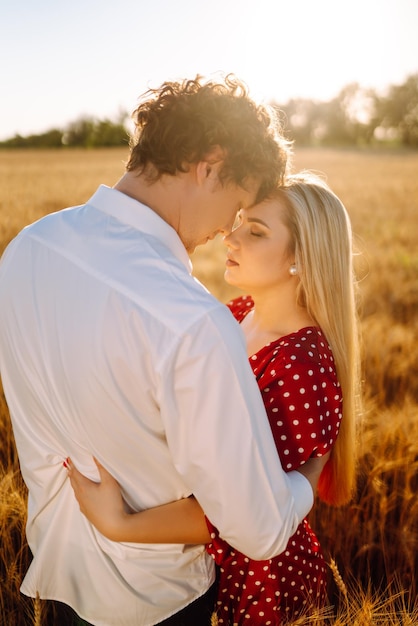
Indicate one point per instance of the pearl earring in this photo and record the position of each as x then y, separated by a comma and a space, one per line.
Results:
293, 270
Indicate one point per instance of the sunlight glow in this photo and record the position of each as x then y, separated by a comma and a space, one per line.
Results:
299, 49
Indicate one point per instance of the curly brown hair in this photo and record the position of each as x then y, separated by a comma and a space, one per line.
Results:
180, 122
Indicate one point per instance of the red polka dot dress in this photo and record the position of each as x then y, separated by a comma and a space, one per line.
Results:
298, 382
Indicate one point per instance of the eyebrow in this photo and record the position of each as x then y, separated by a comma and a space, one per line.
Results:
258, 221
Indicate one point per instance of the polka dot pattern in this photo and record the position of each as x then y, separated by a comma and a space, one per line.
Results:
298, 381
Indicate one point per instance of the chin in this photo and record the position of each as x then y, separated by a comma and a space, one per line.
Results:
233, 283
228, 280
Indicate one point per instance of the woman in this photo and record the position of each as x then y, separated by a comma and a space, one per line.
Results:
293, 254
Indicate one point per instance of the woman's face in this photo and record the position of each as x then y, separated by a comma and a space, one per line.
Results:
258, 248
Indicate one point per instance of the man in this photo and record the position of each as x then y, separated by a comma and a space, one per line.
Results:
110, 348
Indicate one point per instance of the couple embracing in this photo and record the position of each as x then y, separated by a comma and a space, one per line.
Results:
193, 435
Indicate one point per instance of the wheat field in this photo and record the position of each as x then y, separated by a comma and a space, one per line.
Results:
371, 544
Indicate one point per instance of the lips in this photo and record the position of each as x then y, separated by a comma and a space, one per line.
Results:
230, 262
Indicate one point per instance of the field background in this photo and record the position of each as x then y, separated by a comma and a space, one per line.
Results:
372, 543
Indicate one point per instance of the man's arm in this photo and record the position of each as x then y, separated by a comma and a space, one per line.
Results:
221, 442
182, 521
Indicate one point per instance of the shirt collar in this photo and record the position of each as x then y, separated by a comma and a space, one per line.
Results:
139, 216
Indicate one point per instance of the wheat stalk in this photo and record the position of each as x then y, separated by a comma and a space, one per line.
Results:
37, 611
214, 619
338, 579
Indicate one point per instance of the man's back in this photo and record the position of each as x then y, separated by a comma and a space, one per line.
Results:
85, 364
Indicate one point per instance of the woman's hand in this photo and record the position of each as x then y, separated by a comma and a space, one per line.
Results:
181, 521
101, 503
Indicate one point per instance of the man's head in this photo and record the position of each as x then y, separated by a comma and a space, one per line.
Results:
181, 123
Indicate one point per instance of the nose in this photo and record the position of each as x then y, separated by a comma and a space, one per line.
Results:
228, 228
230, 239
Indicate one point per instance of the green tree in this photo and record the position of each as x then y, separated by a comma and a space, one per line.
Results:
80, 132
301, 119
50, 139
347, 119
108, 134
89, 132
399, 110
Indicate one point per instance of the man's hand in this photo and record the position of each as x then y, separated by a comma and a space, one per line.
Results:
312, 469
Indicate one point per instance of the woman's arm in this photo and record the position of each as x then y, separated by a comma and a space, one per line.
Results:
182, 521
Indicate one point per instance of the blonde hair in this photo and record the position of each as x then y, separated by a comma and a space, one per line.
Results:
321, 240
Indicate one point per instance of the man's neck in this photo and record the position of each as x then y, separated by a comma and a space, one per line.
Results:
161, 196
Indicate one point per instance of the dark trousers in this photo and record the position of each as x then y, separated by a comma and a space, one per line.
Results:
198, 613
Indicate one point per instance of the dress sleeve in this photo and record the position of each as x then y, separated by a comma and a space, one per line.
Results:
304, 406
240, 306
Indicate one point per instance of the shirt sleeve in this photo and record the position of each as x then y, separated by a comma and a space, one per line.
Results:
221, 441
304, 405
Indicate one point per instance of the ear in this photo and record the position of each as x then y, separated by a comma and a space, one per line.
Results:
211, 163
203, 171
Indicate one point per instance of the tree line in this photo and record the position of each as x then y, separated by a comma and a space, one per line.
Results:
85, 132
355, 117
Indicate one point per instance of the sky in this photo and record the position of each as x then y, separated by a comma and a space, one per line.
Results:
61, 60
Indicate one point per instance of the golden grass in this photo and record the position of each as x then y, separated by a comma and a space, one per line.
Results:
372, 543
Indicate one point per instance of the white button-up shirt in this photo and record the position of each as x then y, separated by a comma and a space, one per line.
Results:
109, 347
